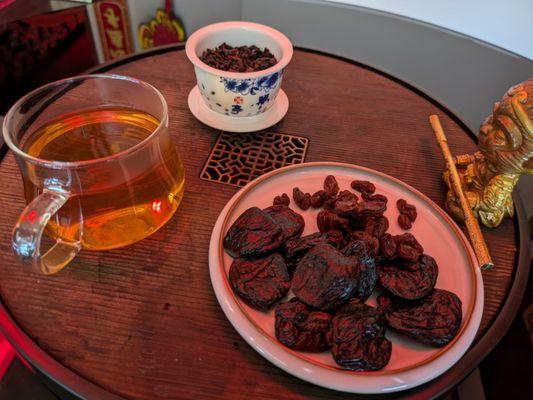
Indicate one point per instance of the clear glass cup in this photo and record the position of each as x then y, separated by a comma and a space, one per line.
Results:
99, 168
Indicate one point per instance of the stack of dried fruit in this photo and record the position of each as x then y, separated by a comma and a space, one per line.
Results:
331, 274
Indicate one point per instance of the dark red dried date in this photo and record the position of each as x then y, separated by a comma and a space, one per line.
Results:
334, 237
359, 341
290, 222
408, 280
434, 319
302, 200
261, 282
318, 199
282, 200
296, 248
404, 222
325, 278
254, 234
363, 186
331, 187
300, 328
371, 242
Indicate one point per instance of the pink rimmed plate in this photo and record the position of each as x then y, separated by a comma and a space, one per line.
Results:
411, 363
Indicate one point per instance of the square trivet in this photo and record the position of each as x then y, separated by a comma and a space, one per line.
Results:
238, 158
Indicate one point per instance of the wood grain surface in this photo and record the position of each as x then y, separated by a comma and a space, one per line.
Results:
143, 322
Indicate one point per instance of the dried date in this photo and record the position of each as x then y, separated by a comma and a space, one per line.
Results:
262, 282
253, 234
325, 278
409, 280
358, 338
296, 248
434, 319
291, 223
371, 242
300, 328
334, 237
363, 186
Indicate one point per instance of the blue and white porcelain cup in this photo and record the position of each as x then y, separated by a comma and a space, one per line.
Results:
239, 94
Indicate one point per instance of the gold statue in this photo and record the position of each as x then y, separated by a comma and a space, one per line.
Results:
505, 145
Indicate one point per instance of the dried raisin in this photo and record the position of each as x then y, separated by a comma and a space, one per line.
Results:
363, 186
331, 187
282, 200
318, 199
404, 222
302, 200
387, 246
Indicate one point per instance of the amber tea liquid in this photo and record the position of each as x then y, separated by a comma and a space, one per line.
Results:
123, 207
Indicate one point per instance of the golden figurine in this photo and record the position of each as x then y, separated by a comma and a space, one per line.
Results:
505, 145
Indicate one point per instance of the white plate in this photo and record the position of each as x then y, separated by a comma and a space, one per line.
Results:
411, 363
229, 123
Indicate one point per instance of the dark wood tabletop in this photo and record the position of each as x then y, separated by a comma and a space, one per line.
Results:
143, 322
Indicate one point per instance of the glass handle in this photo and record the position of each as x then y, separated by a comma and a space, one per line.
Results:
29, 231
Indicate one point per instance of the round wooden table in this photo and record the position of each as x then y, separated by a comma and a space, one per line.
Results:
143, 322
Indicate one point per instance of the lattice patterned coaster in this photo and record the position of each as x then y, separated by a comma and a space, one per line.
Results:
238, 158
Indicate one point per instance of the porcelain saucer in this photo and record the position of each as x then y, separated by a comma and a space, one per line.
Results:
229, 123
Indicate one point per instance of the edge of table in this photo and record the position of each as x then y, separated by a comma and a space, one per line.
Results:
75, 384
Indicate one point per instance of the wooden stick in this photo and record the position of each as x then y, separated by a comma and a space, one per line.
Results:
472, 226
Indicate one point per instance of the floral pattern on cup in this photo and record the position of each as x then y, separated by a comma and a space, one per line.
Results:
252, 86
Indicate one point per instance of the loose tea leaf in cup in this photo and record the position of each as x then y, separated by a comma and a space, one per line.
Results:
238, 59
